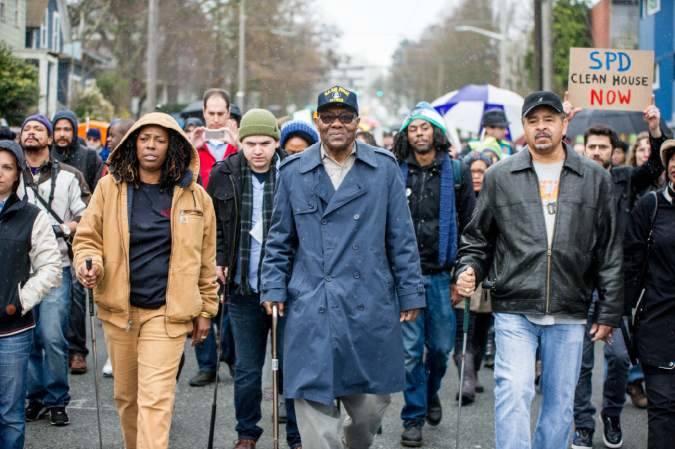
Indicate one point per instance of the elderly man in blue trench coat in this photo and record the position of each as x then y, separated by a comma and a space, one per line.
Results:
342, 263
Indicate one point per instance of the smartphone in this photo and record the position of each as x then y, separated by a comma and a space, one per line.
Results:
215, 134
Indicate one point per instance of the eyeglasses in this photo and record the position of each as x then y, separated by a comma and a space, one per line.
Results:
345, 118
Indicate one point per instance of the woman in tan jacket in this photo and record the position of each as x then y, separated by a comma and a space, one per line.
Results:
150, 233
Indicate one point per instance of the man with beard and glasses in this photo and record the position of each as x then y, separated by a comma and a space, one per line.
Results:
628, 182
542, 238
55, 188
440, 206
67, 149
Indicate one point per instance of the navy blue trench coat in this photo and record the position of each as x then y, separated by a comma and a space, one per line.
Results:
345, 262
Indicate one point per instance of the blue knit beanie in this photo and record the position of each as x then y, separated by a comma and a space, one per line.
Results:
298, 128
40, 119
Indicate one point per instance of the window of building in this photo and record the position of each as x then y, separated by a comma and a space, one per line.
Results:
650, 7
56, 32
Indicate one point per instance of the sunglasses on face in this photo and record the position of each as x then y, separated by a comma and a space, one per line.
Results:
345, 118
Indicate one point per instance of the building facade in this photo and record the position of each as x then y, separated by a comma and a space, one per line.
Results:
657, 22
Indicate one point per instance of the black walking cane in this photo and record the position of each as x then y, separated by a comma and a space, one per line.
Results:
465, 330
219, 351
90, 300
275, 378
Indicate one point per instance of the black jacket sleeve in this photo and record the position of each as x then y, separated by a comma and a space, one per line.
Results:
608, 255
221, 243
635, 248
466, 199
476, 247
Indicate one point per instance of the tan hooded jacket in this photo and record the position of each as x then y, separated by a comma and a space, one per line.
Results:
103, 236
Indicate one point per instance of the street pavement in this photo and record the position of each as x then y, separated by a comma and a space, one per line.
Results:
193, 407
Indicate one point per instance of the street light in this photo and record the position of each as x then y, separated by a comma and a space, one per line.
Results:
502, 47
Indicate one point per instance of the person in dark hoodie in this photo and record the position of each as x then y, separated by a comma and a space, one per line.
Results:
67, 149
30, 266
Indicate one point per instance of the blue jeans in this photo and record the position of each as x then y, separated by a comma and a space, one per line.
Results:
14, 352
434, 329
617, 363
206, 352
517, 340
250, 327
48, 367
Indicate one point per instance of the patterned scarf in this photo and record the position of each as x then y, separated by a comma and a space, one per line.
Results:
246, 215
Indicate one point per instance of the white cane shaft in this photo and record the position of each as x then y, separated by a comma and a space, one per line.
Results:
275, 379
461, 389
94, 351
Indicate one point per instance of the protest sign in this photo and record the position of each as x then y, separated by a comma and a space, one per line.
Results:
603, 78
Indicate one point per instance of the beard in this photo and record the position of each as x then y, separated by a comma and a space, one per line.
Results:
602, 162
543, 148
33, 147
424, 149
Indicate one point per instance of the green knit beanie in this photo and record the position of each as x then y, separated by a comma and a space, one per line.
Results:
258, 122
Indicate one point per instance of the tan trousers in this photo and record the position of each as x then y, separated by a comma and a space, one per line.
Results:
320, 424
145, 363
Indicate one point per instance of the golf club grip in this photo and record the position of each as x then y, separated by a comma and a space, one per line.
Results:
88, 264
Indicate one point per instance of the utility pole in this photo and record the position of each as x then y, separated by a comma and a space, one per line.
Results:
536, 63
151, 65
546, 45
241, 92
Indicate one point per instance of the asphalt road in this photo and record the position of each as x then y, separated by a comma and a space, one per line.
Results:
193, 406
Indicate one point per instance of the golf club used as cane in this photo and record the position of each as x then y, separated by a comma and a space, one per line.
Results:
219, 352
275, 379
465, 330
90, 300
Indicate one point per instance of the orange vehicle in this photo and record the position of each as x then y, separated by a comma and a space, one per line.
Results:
84, 126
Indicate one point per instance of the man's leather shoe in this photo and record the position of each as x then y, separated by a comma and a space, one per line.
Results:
245, 444
202, 379
434, 411
78, 364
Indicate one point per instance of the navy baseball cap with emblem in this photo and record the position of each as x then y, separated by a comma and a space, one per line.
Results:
338, 95
541, 98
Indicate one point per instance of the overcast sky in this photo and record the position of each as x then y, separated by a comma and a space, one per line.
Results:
372, 29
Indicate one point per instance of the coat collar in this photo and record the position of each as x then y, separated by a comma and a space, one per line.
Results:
311, 157
523, 161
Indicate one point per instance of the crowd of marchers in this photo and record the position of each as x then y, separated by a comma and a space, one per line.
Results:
373, 256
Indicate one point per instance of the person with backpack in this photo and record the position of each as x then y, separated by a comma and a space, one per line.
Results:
441, 200
60, 191
649, 263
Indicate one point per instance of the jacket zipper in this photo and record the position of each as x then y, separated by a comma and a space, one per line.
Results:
549, 251
125, 248
174, 204
549, 248
418, 207
234, 234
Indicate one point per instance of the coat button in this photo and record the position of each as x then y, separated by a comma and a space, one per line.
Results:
360, 307
322, 309
328, 278
355, 247
324, 221
357, 275
356, 216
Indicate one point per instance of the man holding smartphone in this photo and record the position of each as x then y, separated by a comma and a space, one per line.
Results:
219, 138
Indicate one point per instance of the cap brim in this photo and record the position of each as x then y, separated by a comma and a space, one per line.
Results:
538, 105
337, 103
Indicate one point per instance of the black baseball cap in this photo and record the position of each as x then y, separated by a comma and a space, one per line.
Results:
495, 118
542, 98
338, 95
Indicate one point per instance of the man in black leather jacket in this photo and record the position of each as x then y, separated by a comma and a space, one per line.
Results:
543, 236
